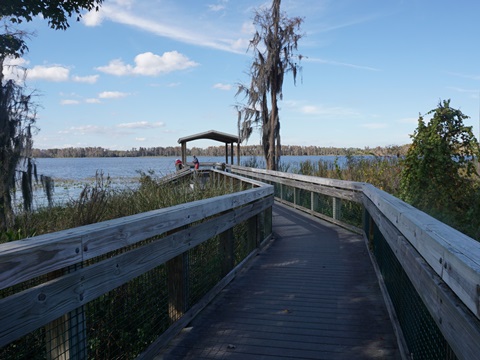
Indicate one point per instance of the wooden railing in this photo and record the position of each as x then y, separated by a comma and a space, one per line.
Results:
441, 264
47, 278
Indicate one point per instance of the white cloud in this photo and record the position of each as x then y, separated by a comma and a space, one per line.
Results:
112, 95
70, 102
310, 109
141, 139
324, 111
92, 101
86, 129
141, 125
92, 79
149, 64
116, 67
14, 69
221, 5
49, 73
93, 18
221, 86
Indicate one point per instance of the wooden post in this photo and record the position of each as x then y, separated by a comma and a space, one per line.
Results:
313, 202
337, 208
56, 339
268, 222
177, 273
226, 246
66, 337
253, 233
78, 334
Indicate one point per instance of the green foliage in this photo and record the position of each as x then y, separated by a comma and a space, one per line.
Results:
439, 172
381, 171
17, 113
57, 13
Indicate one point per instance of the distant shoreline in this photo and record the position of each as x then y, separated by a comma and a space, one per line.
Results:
248, 150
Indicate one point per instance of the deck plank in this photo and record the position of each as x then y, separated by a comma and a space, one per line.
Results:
312, 294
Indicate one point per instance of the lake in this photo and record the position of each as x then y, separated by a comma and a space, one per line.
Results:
72, 174
128, 168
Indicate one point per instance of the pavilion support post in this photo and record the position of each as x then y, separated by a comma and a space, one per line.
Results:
238, 153
184, 153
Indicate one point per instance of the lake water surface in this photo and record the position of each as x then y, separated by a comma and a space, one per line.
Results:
70, 175
84, 169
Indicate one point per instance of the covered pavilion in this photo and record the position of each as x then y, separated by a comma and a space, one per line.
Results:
212, 135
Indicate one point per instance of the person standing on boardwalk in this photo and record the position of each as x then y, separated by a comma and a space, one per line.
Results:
178, 165
196, 164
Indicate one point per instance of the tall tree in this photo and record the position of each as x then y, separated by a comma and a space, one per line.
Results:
17, 111
439, 168
274, 45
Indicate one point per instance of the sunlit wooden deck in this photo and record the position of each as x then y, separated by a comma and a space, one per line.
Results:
311, 294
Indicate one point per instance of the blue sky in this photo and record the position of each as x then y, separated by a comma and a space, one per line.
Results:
145, 73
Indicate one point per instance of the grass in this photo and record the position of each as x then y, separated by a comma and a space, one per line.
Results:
99, 201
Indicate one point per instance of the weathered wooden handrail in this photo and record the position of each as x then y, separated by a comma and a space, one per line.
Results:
175, 230
442, 263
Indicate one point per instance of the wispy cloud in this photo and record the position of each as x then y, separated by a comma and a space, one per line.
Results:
112, 95
185, 30
220, 86
86, 130
219, 6
149, 64
465, 76
321, 110
141, 125
92, 79
338, 63
69, 102
92, 101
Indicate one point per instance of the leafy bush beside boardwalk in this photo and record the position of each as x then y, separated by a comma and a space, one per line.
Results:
385, 173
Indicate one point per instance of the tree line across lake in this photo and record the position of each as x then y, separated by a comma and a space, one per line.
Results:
248, 150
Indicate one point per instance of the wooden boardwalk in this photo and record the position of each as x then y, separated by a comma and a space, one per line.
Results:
311, 294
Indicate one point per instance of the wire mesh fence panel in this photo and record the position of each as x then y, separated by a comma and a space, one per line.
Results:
352, 213
303, 198
123, 314
242, 245
422, 335
123, 322
323, 204
204, 269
